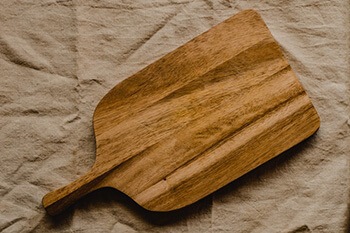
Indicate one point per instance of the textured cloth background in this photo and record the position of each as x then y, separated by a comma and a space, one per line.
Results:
59, 57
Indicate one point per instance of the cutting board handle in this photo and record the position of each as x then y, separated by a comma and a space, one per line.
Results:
58, 200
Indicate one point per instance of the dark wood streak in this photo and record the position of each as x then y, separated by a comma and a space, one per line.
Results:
235, 132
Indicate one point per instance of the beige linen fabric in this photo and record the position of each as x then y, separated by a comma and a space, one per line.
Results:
59, 57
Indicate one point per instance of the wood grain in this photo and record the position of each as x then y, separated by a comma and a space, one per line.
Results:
196, 119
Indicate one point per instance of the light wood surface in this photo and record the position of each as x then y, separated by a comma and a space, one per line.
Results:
196, 119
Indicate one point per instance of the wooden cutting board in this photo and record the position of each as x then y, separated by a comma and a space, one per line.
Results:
196, 119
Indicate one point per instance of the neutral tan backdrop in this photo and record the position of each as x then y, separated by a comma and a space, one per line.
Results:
58, 58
